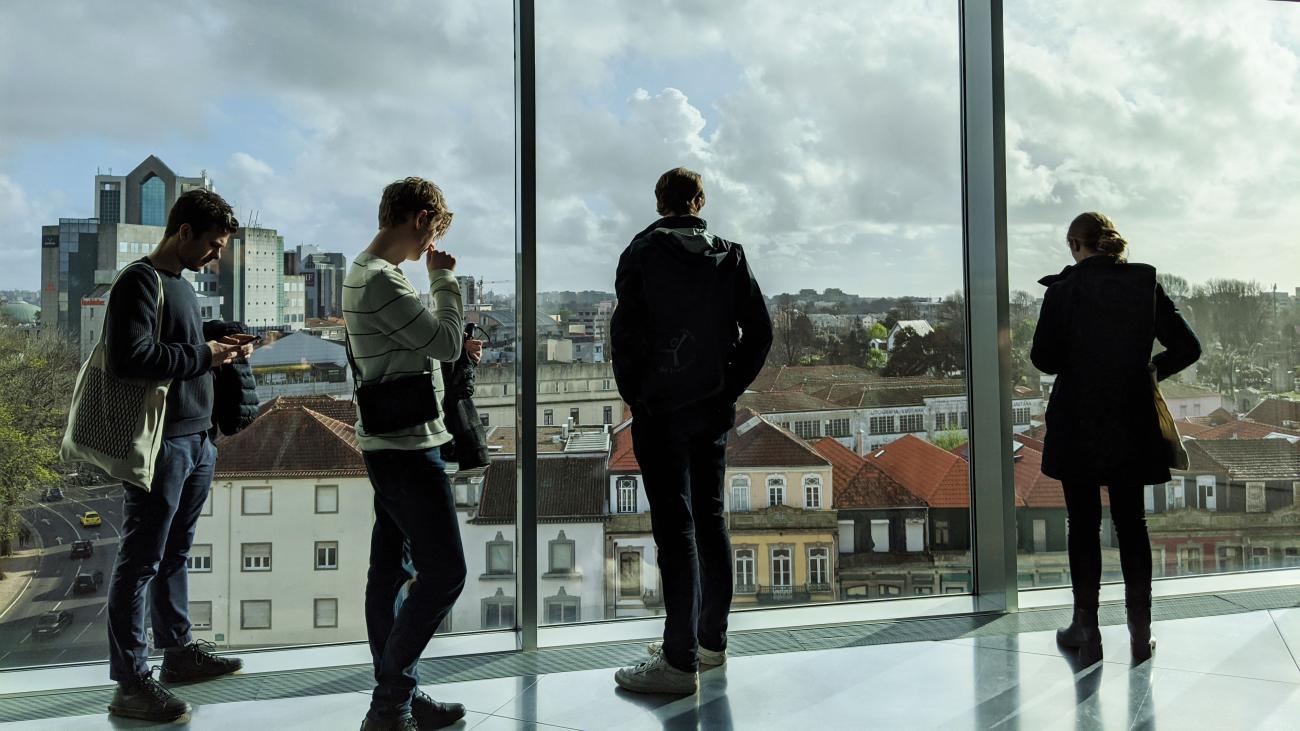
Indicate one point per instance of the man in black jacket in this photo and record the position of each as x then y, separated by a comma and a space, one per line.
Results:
159, 520
690, 333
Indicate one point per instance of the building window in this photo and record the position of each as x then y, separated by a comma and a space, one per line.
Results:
326, 613
889, 590
485, 419
1259, 557
255, 614
609, 415
880, 536
327, 498
548, 417
1149, 498
606, 385
942, 535
782, 576
1189, 560
819, 575
499, 611
562, 608
629, 574
940, 422
627, 495
201, 615
153, 205
1175, 496
500, 556
255, 501
745, 571
883, 424
1230, 558
1020, 415
257, 556
200, 558
207, 505
740, 494
573, 414
1291, 557
846, 533
911, 423
838, 428
808, 429
915, 528
1255, 502
775, 490
327, 555
562, 555
812, 492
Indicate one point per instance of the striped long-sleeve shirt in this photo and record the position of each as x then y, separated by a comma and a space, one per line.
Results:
393, 334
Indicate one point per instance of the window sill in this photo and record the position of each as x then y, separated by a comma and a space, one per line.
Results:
575, 575
497, 577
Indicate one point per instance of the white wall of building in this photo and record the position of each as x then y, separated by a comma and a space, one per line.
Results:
292, 528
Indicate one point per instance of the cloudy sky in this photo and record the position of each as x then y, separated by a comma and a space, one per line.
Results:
827, 132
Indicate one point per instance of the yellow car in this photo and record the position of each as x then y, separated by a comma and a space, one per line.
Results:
90, 519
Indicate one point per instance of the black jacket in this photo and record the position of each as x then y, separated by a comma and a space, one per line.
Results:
234, 401
691, 325
1099, 321
468, 448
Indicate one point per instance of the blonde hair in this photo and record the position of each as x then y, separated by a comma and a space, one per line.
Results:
1098, 232
675, 191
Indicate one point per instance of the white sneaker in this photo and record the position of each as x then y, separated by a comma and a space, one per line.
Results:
709, 659
657, 676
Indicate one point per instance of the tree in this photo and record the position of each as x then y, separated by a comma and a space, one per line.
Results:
878, 332
1022, 339
37, 373
792, 333
1175, 286
910, 356
1231, 312
876, 359
950, 439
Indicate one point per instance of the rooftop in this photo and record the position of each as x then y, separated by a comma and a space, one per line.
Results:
1250, 459
937, 476
293, 441
569, 489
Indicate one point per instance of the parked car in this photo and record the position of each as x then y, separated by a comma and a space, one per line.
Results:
91, 519
51, 495
88, 582
82, 549
53, 622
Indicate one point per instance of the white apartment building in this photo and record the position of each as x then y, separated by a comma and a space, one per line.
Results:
283, 545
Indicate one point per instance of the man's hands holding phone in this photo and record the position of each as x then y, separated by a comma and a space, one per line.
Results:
230, 348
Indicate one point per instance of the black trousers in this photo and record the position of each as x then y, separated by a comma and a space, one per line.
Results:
1083, 508
683, 457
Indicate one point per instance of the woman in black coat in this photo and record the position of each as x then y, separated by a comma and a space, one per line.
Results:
1096, 332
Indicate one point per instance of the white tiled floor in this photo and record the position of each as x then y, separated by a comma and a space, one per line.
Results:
1230, 672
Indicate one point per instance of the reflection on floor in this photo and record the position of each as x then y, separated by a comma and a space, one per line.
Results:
1235, 671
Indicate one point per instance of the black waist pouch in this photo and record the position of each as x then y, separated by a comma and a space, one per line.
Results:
394, 405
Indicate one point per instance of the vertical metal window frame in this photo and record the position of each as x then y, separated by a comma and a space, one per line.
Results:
526, 609
988, 337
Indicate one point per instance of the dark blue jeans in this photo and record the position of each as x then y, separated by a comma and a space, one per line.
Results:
683, 456
158, 529
415, 520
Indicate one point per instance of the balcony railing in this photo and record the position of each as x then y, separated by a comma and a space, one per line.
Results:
789, 594
745, 589
822, 588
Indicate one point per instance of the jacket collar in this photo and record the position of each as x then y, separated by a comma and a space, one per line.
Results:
1090, 262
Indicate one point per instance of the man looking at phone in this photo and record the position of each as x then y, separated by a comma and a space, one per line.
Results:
690, 334
159, 520
394, 343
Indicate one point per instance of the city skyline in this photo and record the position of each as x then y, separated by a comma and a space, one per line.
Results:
859, 191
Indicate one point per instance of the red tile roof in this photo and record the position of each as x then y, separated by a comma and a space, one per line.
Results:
569, 490
341, 409
621, 458
291, 442
1238, 429
757, 442
939, 477
858, 484
785, 401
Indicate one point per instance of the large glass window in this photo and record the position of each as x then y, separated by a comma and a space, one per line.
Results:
1183, 154
153, 203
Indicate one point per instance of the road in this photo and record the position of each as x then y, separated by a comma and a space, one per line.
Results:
58, 525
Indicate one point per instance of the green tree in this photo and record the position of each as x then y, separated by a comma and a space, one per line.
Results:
950, 439
37, 373
878, 332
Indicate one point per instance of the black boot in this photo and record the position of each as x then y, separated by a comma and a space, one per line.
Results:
1139, 632
1083, 635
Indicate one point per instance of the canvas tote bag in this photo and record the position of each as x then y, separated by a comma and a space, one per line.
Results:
116, 423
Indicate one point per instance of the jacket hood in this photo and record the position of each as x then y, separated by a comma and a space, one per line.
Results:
688, 236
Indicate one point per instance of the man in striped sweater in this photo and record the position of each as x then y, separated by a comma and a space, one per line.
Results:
391, 335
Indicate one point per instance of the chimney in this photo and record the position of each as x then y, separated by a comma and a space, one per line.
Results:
859, 443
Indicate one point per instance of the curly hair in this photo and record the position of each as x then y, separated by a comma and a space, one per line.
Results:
1098, 232
407, 197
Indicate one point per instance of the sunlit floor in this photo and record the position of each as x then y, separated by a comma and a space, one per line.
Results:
1236, 671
